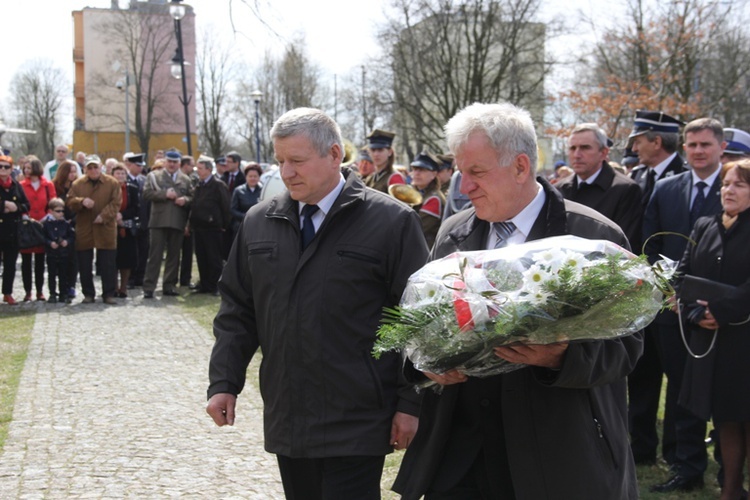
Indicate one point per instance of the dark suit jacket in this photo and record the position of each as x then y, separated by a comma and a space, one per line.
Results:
668, 210
676, 166
613, 195
239, 180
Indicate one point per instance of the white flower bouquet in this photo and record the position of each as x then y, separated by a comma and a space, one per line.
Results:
455, 310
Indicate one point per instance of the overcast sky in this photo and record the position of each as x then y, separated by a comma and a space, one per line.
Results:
340, 34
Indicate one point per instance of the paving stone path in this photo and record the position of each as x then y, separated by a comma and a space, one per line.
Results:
111, 405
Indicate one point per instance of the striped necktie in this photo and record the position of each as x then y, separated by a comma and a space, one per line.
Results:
503, 230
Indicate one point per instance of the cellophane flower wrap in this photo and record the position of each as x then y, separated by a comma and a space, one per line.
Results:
456, 310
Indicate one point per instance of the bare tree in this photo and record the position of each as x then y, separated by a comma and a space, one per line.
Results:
366, 98
666, 56
215, 73
142, 38
446, 54
38, 92
288, 82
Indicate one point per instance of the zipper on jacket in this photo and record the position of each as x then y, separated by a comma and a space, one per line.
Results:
357, 256
600, 432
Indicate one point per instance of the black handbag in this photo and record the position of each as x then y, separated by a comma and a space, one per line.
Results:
694, 288
30, 233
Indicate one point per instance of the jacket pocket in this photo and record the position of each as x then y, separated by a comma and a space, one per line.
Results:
261, 253
602, 438
356, 255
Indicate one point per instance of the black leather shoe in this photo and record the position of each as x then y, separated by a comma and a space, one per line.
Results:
678, 483
170, 293
148, 295
194, 286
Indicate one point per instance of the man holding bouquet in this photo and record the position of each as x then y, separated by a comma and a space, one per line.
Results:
558, 427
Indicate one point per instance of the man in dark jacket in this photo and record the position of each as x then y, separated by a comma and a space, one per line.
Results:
558, 427
654, 139
209, 218
597, 185
306, 281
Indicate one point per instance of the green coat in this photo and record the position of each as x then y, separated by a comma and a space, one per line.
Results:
165, 214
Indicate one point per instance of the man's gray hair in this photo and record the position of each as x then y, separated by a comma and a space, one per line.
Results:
317, 126
669, 140
509, 129
599, 134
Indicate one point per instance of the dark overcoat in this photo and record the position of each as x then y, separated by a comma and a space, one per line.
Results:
613, 195
565, 432
314, 315
718, 385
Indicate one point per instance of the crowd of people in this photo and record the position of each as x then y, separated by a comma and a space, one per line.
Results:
117, 220
305, 275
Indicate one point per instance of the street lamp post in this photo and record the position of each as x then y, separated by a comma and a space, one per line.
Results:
257, 95
127, 110
125, 85
178, 10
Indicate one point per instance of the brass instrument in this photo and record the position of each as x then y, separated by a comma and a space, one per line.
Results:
406, 194
350, 154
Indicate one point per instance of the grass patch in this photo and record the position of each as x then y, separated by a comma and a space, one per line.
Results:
203, 308
15, 336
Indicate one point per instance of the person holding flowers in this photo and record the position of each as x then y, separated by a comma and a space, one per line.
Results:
556, 428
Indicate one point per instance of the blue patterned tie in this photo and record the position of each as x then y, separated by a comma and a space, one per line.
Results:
308, 228
503, 230
698, 202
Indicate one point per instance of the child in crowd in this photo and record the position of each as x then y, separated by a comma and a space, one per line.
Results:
60, 237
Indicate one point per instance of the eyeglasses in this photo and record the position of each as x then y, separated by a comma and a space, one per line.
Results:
91, 167
5, 166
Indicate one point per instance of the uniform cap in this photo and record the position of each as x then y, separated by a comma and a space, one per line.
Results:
738, 142
380, 139
655, 121
427, 161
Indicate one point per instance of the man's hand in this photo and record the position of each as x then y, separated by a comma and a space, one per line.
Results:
10, 207
180, 202
448, 378
171, 194
54, 245
221, 408
88, 203
64, 243
403, 428
98, 220
547, 356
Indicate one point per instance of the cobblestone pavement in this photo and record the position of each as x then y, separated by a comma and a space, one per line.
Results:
111, 405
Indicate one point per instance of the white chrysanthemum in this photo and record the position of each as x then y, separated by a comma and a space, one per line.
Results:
535, 277
552, 258
538, 297
575, 260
